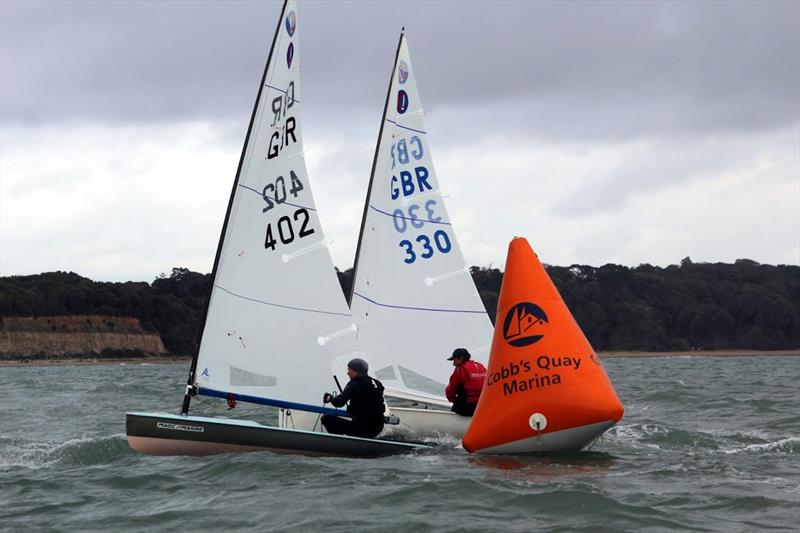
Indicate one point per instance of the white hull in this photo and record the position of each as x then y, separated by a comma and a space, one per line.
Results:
430, 423
567, 440
413, 423
436, 420
416, 398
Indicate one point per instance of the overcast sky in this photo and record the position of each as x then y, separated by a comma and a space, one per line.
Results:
630, 132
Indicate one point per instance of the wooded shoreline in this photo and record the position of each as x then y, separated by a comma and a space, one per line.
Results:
645, 309
184, 359
93, 359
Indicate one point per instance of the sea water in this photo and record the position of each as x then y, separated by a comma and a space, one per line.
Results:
706, 444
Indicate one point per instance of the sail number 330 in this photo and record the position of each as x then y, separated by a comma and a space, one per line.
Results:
425, 246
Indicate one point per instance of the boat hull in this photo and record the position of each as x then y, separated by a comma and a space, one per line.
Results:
431, 423
566, 440
167, 434
413, 423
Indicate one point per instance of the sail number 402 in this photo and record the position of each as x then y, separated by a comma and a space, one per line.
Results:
275, 193
426, 246
285, 229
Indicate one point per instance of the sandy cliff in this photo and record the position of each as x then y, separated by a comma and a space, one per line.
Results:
76, 335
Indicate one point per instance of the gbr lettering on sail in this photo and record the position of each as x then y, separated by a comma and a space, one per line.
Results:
296, 225
283, 125
416, 217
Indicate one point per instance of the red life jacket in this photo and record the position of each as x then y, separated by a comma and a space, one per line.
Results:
473, 375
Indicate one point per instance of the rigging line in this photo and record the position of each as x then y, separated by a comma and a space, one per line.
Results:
433, 309
406, 127
280, 305
409, 218
282, 203
294, 100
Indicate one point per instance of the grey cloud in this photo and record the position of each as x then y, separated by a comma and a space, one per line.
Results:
656, 165
584, 69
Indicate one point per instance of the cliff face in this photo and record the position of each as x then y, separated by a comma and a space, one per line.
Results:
76, 335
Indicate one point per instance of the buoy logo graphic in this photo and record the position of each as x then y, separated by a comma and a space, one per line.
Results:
523, 324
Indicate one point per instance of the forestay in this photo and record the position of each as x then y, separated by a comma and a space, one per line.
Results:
277, 317
413, 297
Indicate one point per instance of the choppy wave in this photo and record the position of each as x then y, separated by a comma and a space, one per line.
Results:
789, 445
705, 444
84, 451
667, 438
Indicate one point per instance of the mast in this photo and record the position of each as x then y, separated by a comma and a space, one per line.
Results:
372, 172
193, 369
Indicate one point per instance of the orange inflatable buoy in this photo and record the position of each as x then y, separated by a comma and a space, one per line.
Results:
545, 389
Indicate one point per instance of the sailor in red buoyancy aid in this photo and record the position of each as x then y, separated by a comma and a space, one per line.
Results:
466, 383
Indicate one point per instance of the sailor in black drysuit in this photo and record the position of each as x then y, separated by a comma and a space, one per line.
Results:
366, 404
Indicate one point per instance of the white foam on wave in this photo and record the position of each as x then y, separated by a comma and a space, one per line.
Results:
640, 430
632, 434
16, 453
25, 455
789, 445
751, 432
445, 440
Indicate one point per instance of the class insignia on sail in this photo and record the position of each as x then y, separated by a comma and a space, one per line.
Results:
545, 387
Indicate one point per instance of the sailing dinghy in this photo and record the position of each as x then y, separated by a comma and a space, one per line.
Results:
545, 388
413, 298
276, 318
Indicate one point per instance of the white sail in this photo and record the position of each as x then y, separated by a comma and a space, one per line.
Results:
413, 298
277, 317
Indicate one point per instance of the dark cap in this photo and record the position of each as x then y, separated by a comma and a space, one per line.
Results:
359, 365
460, 352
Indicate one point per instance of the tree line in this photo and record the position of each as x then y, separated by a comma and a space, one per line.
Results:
703, 306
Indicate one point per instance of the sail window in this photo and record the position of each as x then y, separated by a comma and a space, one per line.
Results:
386, 373
419, 382
245, 378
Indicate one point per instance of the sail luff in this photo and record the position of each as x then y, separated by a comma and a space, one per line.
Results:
372, 172
193, 368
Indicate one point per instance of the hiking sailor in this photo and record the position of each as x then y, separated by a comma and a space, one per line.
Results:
366, 404
466, 383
